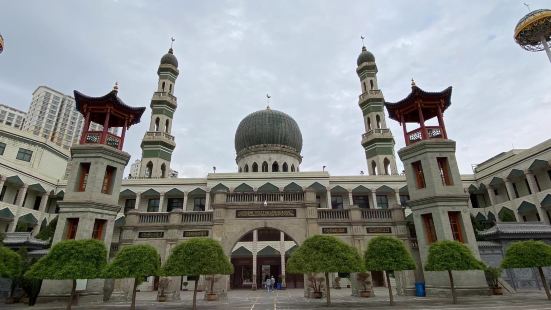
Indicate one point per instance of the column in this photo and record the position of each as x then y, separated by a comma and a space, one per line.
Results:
42, 209
282, 252
531, 181
255, 241
350, 199
422, 122
184, 207
328, 198
491, 195
19, 204
162, 206
510, 189
138, 200
207, 201
374, 198
397, 193
2, 181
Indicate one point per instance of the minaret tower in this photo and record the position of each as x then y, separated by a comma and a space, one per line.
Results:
158, 142
437, 199
377, 140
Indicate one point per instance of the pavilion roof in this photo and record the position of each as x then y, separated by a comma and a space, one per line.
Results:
97, 107
429, 103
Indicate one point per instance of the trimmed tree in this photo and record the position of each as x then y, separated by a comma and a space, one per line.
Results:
195, 257
388, 254
449, 256
134, 261
325, 254
10, 263
529, 254
71, 260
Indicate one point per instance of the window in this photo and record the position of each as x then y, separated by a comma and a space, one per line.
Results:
99, 226
167, 125
336, 202
373, 168
264, 167
368, 123
129, 204
292, 168
163, 87
474, 201
444, 169
378, 119
382, 201
419, 176
37, 201
24, 154
4, 188
285, 168
199, 204
157, 120
175, 203
108, 178
246, 168
516, 190
2, 148
275, 167
455, 225
361, 201
163, 171
153, 205
363, 84
83, 179
496, 192
403, 200
528, 186
535, 179
149, 170
371, 84
386, 164
430, 231
72, 225
255, 167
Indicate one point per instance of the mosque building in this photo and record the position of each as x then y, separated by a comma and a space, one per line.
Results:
266, 208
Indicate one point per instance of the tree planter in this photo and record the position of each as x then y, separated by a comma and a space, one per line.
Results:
212, 296
161, 298
497, 290
317, 295
366, 294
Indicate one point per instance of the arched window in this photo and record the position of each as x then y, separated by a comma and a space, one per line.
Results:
285, 167
157, 120
373, 168
163, 87
292, 167
255, 167
275, 167
264, 167
368, 123
371, 83
163, 171
149, 170
170, 88
240, 169
386, 164
378, 118
247, 168
365, 89
167, 123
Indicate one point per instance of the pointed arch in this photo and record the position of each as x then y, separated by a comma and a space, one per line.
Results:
264, 167
285, 168
246, 169
361, 190
292, 167
163, 171
292, 187
170, 88
386, 165
148, 169
371, 84
378, 120
157, 121
240, 170
368, 123
317, 187
339, 190
255, 167
275, 167
219, 188
163, 87
373, 168
268, 188
243, 188
167, 125
506, 215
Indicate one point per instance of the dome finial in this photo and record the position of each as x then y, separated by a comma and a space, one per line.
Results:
170, 50
268, 101
413, 82
116, 87
363, 44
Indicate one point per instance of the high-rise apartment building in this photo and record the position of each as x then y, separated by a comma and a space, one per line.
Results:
11, 117
53, 115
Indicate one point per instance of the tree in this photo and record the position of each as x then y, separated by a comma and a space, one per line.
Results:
71, 260
325, 254
47, 232
449, 256
195, 257
134, 261
388, 254
529, 254
10, 263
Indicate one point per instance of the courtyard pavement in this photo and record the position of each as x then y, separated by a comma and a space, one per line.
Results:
341, 299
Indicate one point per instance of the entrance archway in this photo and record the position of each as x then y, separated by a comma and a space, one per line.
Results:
263, 253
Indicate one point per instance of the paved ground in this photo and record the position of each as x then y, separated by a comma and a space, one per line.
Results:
292, 299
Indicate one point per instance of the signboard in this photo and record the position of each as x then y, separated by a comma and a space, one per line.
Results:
151, 234
379, 230
196, 233
265, 213
334, 230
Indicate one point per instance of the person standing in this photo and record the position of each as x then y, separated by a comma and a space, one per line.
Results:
268, 284
273, 282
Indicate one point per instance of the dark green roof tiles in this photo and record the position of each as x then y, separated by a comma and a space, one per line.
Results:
268, 127
365, 56
169, 59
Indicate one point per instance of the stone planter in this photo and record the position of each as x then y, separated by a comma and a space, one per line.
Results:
497, 290
212, 296
161, 298
365, 294
317, 295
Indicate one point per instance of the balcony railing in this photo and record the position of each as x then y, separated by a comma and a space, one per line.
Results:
417, 135
161, 134
380, 131
372, 92
95, 137
164, 94
261, 197
153, 218
197, 217
376, 214
333, 214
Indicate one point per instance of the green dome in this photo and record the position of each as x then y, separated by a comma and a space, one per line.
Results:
268, 127
365, 56
169, 59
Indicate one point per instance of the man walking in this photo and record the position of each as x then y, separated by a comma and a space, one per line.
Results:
268, 284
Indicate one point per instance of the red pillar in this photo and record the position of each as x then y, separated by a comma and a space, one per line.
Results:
441, 123
85, 128
424, 133
123, 133
105, 127
406, 136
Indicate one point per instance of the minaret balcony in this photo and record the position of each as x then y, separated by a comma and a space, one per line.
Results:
372, 93
376, 133
424, 133
101, 137
164, 96
159, 135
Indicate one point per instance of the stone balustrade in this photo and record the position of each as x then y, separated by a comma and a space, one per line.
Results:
333, 214
261, 197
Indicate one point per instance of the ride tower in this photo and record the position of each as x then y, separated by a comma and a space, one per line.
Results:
437, 198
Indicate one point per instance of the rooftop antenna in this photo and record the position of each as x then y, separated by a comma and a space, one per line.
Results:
527, 6
268, 101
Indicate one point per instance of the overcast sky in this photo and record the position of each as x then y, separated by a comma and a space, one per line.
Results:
303, 53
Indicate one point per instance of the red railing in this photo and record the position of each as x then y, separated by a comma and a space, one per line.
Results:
97, 137
416, 135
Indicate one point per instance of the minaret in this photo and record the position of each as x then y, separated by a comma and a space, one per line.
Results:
437, 198
158, 143
377, 140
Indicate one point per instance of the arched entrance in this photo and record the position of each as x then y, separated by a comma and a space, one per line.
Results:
262, 253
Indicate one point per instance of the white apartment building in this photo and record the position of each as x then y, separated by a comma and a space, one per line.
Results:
11, 117
52, 115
